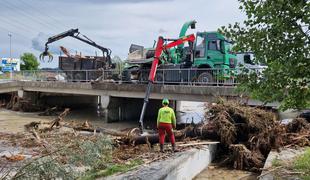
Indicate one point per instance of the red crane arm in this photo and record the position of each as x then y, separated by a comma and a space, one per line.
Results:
160, 47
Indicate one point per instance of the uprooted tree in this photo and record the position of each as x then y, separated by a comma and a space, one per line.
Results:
278, 32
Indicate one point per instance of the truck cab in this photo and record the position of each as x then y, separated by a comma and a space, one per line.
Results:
212, 50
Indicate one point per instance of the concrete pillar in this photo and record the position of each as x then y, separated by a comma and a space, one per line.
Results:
103, 103
113, 109
33, 97
20, 93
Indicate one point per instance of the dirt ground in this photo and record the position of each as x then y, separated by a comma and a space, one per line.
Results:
18, 145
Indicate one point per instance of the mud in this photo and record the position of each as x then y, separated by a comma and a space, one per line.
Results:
214, 172
14, 121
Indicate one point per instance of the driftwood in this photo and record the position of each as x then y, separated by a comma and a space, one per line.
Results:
49, 112
198, 143
242, 157
10, 103
56, 122
98, 130
32, 125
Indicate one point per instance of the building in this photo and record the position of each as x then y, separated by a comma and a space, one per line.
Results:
10, 64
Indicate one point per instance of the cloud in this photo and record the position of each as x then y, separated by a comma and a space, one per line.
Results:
116, 1
162, 31
114, 24
38, 43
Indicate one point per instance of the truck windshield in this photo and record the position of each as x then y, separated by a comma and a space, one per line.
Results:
228, 46
200, 46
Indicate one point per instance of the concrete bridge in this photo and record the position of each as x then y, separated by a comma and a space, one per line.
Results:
174, 92
119, 101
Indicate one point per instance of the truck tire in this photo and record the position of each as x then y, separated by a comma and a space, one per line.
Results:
205, 78
79, 77
159, 78
69, 76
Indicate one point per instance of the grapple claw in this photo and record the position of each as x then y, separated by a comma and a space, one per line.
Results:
46, 53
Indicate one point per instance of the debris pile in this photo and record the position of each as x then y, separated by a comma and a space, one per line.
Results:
248, 134
17, 103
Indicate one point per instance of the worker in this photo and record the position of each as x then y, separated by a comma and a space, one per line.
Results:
166, 121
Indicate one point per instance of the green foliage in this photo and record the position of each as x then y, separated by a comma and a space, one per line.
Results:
278, 33
29, 62
46, 168
112, 169
95, 154
302, 164
92, 153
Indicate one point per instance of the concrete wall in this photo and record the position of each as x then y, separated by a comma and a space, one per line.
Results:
181, 166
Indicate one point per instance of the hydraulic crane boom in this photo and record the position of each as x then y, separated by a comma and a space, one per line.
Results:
160, 47
75, 34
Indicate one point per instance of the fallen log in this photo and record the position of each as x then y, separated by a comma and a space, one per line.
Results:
201, 131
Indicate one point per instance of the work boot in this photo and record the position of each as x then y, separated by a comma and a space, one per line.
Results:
161, 148
174, 148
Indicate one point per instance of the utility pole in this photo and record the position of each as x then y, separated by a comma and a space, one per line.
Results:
10, 35
11, 73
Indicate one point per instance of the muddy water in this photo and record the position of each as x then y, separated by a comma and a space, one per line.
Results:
13, 122
214, 172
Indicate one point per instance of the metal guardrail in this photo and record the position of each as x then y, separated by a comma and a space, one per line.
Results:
191, 76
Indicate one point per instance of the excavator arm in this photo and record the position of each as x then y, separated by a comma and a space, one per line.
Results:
160, 47
75, 34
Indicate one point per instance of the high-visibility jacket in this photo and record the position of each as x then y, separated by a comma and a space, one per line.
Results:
166, 115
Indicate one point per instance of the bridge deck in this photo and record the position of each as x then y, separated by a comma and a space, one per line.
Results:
176, 92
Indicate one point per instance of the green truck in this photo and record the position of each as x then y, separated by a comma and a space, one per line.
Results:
205, 60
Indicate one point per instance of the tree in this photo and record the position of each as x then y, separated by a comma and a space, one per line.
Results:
29, 62
278, 33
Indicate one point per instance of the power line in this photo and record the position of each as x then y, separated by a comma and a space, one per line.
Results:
45, 4
14, 33
25, 13
17, 26
42, 12
29, 28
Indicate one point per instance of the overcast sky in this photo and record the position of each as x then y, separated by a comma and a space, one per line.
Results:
111, 23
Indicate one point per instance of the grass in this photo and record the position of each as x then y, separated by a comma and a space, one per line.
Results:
276, 162
112, 169
302, 164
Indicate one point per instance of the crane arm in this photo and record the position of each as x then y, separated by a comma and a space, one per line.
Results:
75, 34
57, 37
160, 47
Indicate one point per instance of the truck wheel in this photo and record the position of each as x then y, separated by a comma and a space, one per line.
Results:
69, 76
159, 78
205, 78
126, 75
78, 77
